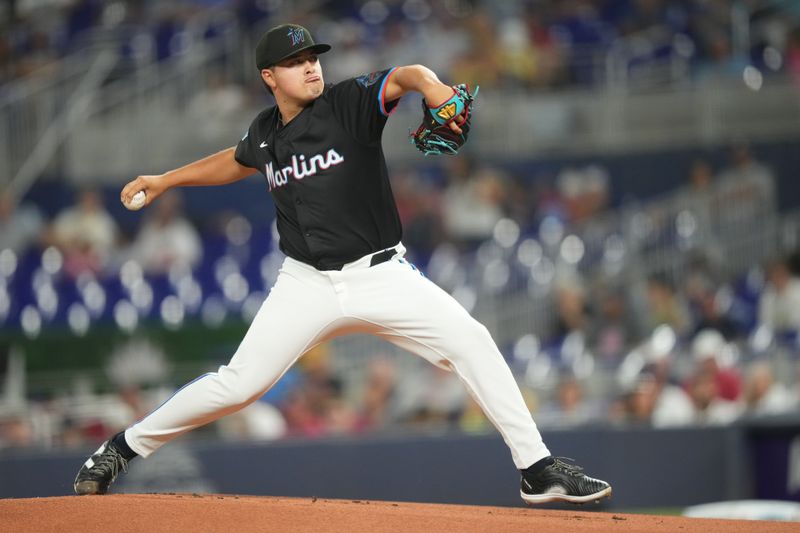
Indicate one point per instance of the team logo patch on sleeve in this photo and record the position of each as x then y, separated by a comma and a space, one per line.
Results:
369, 79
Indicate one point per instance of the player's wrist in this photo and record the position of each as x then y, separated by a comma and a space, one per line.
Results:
167, 180
437, 94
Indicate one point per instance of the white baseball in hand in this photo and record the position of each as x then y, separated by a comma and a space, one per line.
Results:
137, 202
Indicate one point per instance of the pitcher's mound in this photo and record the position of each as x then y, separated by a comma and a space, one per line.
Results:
177, 513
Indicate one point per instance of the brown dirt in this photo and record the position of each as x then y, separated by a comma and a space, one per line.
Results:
174, 513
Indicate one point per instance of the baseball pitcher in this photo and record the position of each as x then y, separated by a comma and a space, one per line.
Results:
319, 150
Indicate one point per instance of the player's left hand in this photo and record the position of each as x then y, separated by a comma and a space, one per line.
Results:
445, 127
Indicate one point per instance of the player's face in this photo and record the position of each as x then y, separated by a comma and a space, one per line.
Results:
299, 77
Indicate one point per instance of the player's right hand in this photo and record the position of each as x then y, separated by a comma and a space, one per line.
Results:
153, 187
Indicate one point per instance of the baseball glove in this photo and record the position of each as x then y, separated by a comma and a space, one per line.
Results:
434, 136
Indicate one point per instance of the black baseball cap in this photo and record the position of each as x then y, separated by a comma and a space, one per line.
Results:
284, 41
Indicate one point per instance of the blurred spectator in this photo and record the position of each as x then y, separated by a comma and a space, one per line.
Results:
710, 408
722, 61
340, 417
317, 407
32, 50
20, 225
278, 393
708, 351
745, 190
665, 306
419, 207
701, 176
70, 434
479, 64
86, 235
610, 333
763, 395
671, 405
571, 306
779, 305
434, 397
585, 191
166, 237
698, 198
473, 419
15, 431
706, 308
258, 421
132, 399
636, 403
216, 104
377, 403
319, 376
569, 408
548, 68
472, 202
352, 57
301, 418
137, 362
746, 171
520, 202
515, 53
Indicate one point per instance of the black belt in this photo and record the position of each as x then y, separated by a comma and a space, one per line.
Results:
382, 257
376, 259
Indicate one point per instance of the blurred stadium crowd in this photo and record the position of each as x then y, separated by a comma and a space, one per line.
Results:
603, 344
667, 312
520, 43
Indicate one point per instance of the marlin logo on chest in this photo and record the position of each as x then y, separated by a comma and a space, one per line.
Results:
301, 168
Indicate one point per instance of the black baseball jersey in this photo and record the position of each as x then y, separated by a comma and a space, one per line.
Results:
327, 174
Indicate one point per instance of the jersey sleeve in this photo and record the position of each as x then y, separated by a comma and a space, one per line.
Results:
360, 105
245, 151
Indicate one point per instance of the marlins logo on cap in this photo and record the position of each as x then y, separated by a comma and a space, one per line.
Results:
296, 35
282, 42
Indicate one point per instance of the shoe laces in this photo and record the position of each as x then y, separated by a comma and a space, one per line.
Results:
111, 461
561, 464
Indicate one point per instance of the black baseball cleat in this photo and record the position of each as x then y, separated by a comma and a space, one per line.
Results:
562, 482
100, 470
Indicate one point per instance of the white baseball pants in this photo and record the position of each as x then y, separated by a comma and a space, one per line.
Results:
391, 300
